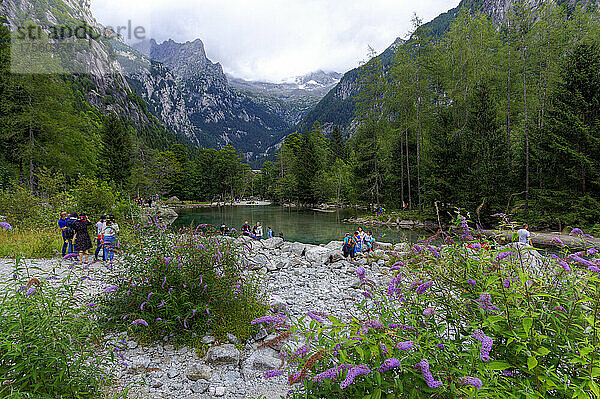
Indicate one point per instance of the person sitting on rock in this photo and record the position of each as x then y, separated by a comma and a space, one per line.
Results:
246, 229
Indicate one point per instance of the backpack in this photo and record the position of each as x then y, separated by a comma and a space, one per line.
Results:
69, 233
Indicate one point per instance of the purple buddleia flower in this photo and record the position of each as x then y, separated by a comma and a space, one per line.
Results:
508, 373
395, 287
375, 324
149, 295
578, 259
476, 246
110, 288
5, 226
162, 303
423, 287
142, 305
506, 283
592, 251
466, 230
70, 256
433, 251
30, 291
159, 319
594, 269
354, 372
329, 374
163, 283
417, 248
423, 366
361, 272
138, 322
503, 255
559, 308
301, 352
384, 349
441, 346
473, 381
471, 282
268, 319
565, 266
315, 317
273, 373
486, 344
428, 312
406, 345
485, 303
389, 364
557, 241
576, 232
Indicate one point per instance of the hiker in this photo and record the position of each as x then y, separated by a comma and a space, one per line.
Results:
83, 243
368, 240
109, 237
357, 239
259, 231
67, 233
524, 235
269, 232
223, 229
361, 239
99, 228
246, 229
348, 247
281, 235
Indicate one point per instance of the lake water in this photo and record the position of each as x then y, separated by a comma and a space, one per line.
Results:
303, 225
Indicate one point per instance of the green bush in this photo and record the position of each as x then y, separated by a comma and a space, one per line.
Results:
48, 340
30, 244
459, 322
181, 285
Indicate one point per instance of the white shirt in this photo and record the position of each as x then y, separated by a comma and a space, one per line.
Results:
99, 227
524, 236
259, 231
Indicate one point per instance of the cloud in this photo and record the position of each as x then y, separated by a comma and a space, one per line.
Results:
275, 39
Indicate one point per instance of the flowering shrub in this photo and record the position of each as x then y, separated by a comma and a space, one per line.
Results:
180, 284
48, 340
460, 321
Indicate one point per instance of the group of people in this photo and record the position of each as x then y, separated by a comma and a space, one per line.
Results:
360, 241
77, 240
256, 232
146, 201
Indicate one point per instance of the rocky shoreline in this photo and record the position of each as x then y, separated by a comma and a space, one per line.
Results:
429, 225
297, 278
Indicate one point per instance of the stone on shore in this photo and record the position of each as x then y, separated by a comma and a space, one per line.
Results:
226, 354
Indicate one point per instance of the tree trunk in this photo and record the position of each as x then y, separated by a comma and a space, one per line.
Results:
408, 167
526, 132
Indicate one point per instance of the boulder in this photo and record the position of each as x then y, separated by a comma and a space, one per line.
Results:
226, 354
383, 246
199, 372
298, 249
260, 361
278, 304
273, 243
259, 261
318, 255
335, 245
173, 199
336, 256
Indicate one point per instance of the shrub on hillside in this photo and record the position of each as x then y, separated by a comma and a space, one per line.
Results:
183, 284
454, 322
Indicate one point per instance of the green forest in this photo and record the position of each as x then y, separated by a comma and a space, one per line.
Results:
487, 117
496, 118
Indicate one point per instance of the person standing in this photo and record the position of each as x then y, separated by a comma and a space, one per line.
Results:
259, 231
110, 235
269, 232
348, 247
99, 228
361, 239
67, 234
83, 242
524, 235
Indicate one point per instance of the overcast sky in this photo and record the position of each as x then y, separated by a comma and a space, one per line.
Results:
275, 39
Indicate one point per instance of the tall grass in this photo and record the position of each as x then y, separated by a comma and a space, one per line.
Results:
30, 243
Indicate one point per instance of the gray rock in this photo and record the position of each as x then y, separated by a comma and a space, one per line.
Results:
220, 391
173, 373
297, 248
261, 334
199, 372
132, 344
337, 245
278, 304
260, 361
273, 243
232, 338
208, 339
199, 387
226, 354
383, 245
318, 255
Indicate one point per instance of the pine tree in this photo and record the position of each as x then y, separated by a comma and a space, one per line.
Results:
116, 151
338, 146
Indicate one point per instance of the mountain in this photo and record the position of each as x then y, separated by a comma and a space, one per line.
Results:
293, 98
192, 95
339, 105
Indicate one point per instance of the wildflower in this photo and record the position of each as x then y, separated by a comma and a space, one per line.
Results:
301, 352
330, 374
162, 303
389, 364
471, 282
592, 251
138, 322
503, 255
486, 344
398, 264
428, 312
110, 288
557, 241
375, 324
580, 260
91, 305
559, 308
268, 319
432, 383
30, 291
384, 348
395, 286
163, 283
5, 226
473, 381
353, 373
159, 319
506, 283
142, 305
417, 248
433, 251
360, 272
593, 269
565, 266
150, 294
273, 373
69, 256
476, 246
508, 373
485, 302
441, 346
406, 345
423, 287
576, 232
